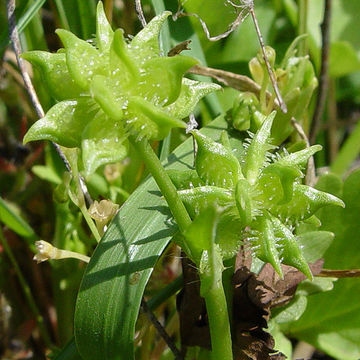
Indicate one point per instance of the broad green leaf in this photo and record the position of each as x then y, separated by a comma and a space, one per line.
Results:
343, 59
292, 311
282, 343
15, 222
336, 330
108, 301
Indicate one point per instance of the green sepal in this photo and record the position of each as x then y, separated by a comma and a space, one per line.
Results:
215, 164
299, 158
55, 73
256, 152
243, 201
313, 220
103, 141
162, 78
101, 91
148, 120
290, 249
229, 233
199, 236
63, 123
198, 199
83, 60
287, 175
104, 32
145, 45
190, 94
265, 244
122, 65
304, 203
186, 179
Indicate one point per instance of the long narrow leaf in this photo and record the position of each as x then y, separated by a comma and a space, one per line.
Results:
14, 221
110, 294
22, 23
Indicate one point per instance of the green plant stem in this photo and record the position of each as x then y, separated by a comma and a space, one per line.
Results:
27, 292
216, 308
90, 222
219, 324
302, 26
162, 179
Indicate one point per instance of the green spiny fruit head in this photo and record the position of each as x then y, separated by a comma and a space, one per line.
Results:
262, 196
110, 87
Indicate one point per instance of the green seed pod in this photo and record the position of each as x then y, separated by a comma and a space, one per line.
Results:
215, 164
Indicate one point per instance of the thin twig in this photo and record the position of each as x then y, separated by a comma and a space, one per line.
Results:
339, 273
239, 19
310, 178
282, 104
236, 81
323, 79
332, 133
15, 39
160, 329
139, 12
